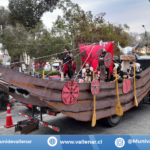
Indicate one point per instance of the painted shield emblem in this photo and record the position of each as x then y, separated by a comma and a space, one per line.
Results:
108, 59
126, 86
70, 93
95, 86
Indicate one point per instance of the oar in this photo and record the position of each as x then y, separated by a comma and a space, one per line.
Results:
94, 113
119, 110
135, 99
43, 75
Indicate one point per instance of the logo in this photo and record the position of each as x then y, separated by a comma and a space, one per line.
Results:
52, 141
119, 142
130, 141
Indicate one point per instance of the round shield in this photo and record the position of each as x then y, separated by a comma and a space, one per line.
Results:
126, 86
108, 59
70, 93
95, 86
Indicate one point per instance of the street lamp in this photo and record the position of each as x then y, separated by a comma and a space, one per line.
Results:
145, 37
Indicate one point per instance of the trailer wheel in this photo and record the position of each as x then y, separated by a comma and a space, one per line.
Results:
112, 120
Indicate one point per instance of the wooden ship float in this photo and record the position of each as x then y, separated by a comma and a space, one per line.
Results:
111, 100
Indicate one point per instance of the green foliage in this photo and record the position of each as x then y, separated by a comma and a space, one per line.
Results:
75, 27
65, 26
4, 100
80, 27
36, 42
1, 60
12, 37
29, 12
4, 13
49, 72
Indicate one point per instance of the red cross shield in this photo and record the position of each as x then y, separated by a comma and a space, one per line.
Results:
108, 59
70, 93
126, 86
95, 86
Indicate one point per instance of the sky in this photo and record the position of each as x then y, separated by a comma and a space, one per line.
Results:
134, 13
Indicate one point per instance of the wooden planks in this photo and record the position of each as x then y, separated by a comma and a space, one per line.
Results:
50, 94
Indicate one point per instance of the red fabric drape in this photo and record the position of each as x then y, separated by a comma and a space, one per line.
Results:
94, 56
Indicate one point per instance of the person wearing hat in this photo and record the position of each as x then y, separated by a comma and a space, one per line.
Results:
66, 62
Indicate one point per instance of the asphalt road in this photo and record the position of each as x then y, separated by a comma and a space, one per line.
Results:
134, 121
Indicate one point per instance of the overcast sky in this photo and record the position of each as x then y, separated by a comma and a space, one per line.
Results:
135, 13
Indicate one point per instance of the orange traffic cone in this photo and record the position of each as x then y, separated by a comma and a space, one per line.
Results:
9, 122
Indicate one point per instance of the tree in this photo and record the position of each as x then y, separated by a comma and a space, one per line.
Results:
11, 39
144, 40
133, 38
4, 19
66, 26
37, 42
80, 27
92, 29
29, 12
4, 99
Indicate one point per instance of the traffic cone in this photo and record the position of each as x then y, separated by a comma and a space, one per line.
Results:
9, 122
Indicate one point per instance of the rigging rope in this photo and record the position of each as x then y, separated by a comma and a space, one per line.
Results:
46, 56
75, 55
85, 61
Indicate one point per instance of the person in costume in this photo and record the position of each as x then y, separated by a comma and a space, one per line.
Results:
66, 63
87, 73
103, 71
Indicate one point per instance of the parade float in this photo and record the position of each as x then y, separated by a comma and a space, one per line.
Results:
86, 101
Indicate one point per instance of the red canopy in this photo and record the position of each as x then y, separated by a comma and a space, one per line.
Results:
95, 53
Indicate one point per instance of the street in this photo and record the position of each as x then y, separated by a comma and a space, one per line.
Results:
135, 121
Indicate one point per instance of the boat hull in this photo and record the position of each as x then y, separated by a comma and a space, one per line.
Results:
47, 93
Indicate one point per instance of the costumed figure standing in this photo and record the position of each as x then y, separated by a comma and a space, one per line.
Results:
66, 63
103, 71
87, 73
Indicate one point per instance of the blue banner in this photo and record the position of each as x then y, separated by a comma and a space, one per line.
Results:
75, 142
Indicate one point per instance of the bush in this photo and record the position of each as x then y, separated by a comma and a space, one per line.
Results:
148, 53
49, 72
1, 60
53, 73
4, 100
